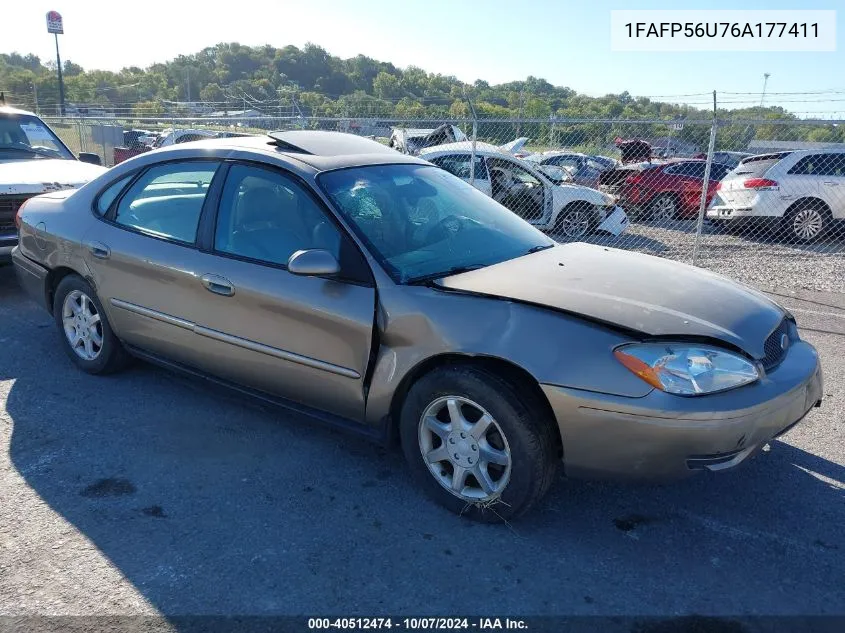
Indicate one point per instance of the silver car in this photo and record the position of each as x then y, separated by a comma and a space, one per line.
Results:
331, 275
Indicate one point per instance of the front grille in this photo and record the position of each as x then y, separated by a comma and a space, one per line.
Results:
772, 348
9, 206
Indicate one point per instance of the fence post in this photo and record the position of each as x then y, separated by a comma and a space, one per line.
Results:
83, 146
474, 141
705, 184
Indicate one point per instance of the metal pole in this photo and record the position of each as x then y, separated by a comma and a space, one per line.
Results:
474, 138
472, 157
61, 81
705, 184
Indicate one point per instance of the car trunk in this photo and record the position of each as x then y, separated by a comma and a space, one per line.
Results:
612, 180
732, 190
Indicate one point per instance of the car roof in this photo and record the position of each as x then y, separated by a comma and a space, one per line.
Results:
484, 149
809, 152
562, 152
319, 150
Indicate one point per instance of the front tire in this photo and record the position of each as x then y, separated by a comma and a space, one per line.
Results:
85, 332
575, 221
476, 444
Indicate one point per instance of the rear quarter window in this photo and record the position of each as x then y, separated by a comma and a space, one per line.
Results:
110, 194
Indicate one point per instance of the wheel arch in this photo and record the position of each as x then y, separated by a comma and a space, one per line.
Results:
520, 378
54, 278
558, 215
810, 201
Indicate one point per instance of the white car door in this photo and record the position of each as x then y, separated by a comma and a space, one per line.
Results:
802, 180
459, 165
832, 183
522, 190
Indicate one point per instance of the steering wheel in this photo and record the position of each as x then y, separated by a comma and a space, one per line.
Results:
449, 226
445, 228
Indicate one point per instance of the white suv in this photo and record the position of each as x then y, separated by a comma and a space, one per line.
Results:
802, 192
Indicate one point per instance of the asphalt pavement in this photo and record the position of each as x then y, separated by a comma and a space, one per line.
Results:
147, 493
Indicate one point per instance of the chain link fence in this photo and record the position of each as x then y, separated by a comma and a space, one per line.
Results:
761, 201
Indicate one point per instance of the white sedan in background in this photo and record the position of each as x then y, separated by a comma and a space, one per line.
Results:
542, 199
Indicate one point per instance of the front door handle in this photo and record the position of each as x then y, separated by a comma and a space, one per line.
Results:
831, 184
218, 285
99, 250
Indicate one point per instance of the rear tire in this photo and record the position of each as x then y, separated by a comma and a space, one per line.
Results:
664, 209
84, 329
805, 223
509, 465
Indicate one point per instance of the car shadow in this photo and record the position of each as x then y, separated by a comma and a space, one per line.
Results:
208, 504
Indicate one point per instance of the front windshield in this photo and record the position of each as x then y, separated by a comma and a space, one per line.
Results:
422, 222
27, 136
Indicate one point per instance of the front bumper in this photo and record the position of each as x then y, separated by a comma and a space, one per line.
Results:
662, 436
615, 221
32, 277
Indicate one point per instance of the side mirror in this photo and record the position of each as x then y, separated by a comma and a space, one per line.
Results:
314, 262
89, 157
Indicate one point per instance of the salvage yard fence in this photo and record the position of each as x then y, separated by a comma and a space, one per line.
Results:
776, 220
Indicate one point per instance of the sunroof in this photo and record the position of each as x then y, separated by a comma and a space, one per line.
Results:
326, 143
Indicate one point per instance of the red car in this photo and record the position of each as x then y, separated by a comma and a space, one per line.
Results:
661, 191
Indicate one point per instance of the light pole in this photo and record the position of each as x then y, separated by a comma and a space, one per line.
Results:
55, 26
765, 81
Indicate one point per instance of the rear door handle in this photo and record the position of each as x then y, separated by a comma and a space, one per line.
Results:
99, 250
218, 285
831, 184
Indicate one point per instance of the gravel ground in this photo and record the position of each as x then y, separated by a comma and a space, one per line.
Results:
758, 259
144, 493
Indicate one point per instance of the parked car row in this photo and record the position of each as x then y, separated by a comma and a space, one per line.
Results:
798, 194
140, 141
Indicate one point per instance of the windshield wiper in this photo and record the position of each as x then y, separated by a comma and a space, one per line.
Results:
538, 248
28, 150
455, 270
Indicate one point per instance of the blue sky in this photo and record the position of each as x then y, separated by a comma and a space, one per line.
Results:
566, 42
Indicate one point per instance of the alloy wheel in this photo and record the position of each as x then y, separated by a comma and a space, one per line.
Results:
575, 223
807, 224
663, 209
464, 449
82, 325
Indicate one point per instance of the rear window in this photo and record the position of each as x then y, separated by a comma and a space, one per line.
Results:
757, 166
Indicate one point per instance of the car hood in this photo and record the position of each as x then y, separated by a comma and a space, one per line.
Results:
565, 193
45, 174
649, 295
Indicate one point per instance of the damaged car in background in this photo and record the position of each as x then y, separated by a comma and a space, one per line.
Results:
543, 195
33, 160
412, 140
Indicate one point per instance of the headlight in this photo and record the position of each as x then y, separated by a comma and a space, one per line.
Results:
687, 369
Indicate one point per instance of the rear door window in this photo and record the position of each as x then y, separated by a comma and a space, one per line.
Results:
109, 195
459, 165
166, 201
820, 165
